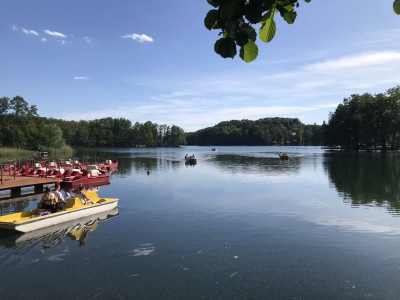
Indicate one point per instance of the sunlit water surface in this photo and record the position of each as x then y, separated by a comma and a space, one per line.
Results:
240, 224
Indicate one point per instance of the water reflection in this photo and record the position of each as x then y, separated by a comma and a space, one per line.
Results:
77, 230
228, 158
366, 178
190, 163
251, 163
12, 205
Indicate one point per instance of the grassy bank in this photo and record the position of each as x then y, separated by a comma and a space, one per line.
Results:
7, 154
15, 153
64, 152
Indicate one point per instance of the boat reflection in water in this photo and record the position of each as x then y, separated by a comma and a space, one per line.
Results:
190, 163
77, 230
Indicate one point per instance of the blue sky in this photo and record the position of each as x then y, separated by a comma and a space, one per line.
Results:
154, 61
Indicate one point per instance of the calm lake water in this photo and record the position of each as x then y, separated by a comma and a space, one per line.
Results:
240, 224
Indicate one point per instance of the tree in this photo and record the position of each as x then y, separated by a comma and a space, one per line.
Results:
149, 134
4, 106
13, 136
121, 131
235, 19
51, 136
365, 121
21, 108
394, 96
176, 136
82, 137
17, 121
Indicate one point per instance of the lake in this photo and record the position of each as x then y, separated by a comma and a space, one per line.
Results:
240, 224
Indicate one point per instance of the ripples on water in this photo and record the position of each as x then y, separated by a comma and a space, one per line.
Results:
240, 224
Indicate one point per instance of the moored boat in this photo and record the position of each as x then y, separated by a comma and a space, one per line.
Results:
90, 176
74, 209
110, 165
283, 155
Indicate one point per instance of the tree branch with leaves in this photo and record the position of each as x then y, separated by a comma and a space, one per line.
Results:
235, 19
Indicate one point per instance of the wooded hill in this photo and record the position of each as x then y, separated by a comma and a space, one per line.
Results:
263, 132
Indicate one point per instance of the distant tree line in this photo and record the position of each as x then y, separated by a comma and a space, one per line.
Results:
109, 132
22, 127
267, 131
366, 122
361, 122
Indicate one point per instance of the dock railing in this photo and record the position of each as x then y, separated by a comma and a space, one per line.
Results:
9, 166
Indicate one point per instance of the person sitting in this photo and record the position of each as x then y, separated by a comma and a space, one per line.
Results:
82, 195
59, 195
48, 201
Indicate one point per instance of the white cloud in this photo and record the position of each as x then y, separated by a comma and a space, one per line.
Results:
383, 38
174, 94
81, 78
328, 105
138, 37
55, 33
307, 91
43, 40
363, 60
30, 32
87, 40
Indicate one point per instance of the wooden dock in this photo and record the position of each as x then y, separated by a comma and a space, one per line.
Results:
15, 184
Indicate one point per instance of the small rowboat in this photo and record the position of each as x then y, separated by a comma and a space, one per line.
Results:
74, 209
190, 160
283, 155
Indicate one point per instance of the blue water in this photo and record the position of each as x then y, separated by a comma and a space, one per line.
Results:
240, 224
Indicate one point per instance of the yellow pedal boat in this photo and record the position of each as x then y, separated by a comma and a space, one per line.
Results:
74, 209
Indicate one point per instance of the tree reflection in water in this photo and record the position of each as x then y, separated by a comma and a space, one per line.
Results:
366, 178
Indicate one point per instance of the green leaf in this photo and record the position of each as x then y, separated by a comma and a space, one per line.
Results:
241, 37
267, 30
253, 11
231, 9
249, 51
213, 3
226, 47
284, 9
307, 1
251, 33
211, 19
290, 17
245, 33
268, 15
396, 6
289, 7
267, 4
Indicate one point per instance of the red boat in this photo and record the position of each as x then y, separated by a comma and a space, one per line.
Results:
90, 176
110, 165
72, 173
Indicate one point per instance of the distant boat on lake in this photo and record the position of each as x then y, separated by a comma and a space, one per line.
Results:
283, 155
